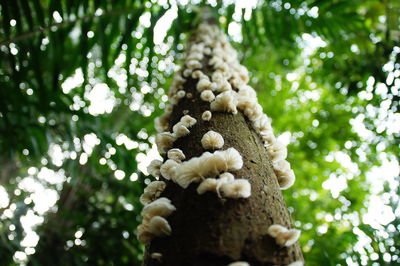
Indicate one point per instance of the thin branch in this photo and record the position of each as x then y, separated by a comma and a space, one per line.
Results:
63, 24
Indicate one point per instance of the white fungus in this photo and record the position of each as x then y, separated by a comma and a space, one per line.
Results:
152, 192
277, 151
232, 158
212, 140
187, 72
160, 207
208, 184
286, 180
181, 94
159, 226
176, 155
214, 185
164, 141
197, 74
207, 96
206, 116
143, 235
180, 130
296, 263
156, 256
188, 121
238, 188
161, 123
239, 263
203, 84
207, 165
168, 169
225, 102
283, 236
154, 223
154, 168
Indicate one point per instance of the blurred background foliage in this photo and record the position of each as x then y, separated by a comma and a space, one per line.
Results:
82, 81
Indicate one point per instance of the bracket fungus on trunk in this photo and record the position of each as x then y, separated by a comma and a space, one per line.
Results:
217, 207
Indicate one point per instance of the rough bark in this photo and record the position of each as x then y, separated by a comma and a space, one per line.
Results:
208, 230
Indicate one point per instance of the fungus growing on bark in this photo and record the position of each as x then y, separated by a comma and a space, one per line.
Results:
238, 188
207, 165
176, 155
208, 184
180, 130
224, 86
156, 256
214, 185
207, 96
277, 151
286, 180
164, 141
225, 102
283, 236
197, 74
203, 84
188, 121
212, 140
181, 94
154, 222
193, 64
161, 123
239, 263
159, 226
152, 192
160, 207
232, 158
206, 116
296, 263
154, 168
168, 169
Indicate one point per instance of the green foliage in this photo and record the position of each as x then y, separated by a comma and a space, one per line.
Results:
60, 58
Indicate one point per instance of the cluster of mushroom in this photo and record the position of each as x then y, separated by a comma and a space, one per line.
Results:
243, 263
283, 236
206, 167
154, 223
226, 90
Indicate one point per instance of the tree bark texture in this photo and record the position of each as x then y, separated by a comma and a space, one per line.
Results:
212, 231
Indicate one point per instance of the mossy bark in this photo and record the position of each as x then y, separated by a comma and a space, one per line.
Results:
208, 230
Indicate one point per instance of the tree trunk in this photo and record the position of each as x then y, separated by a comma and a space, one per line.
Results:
212, 230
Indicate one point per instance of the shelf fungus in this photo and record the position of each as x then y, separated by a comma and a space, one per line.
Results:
212, 140
239, 263
283, 236
152, 192
296, 263
180, 130
154, 168
164, 141
238, 188
188, 121
154, 223
168, 169
225, 102
176, 155
206, 116
156, 256
207, 96
206, 166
